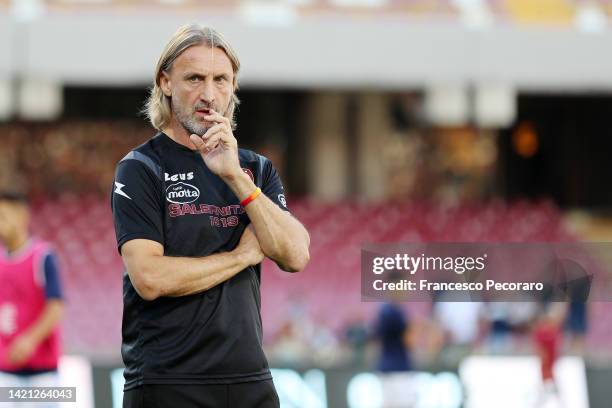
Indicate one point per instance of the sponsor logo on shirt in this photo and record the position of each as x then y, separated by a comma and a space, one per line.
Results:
118, 190
249, 173
178, 176
182, 193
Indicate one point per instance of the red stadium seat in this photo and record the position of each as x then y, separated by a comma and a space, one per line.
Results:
329, 288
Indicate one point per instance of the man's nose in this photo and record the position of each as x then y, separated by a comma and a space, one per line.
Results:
207, 94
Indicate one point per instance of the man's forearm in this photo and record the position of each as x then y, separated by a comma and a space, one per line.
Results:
181, 276
282, 237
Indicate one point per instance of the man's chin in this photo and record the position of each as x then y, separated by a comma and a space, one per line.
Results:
196, 129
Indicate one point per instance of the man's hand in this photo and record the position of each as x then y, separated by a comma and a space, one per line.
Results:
21, 349
248, 248
219, 147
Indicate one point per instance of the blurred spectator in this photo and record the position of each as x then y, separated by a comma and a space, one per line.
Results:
462, 324
325, 346
393, 330
290, 349
500, 331
356, 337
507, 322
68, 156
302, 340
578, 287
547, 335
576, 324
31, 302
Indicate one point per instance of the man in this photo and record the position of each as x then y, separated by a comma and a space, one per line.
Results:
194, 217
548, 337
31, 303
394, 331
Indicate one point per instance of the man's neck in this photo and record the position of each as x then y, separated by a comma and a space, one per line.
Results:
17, 242
178, 133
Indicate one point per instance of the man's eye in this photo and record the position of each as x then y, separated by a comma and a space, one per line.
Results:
220, 79
194, 79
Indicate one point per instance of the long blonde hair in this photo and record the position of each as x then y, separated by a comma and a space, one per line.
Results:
157, 107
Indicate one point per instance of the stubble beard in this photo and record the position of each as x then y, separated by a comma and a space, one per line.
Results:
191, 123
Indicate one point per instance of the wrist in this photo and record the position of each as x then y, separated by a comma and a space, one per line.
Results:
30, 337
241, 184
250, 198
234, 176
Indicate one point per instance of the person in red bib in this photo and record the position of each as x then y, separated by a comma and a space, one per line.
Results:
31, 301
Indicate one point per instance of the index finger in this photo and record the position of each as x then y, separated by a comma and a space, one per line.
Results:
216, 117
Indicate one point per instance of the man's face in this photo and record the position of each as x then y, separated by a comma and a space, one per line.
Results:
201, 79
13, 218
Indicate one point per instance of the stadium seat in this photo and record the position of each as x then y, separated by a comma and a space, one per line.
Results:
81, 230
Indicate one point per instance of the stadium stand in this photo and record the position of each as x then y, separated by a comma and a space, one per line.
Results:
81, 228
542, 11
519, 12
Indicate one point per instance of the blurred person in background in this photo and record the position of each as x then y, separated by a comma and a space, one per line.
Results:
393, 332
576, 324
509, 324
356, 339
462, 325
548, 337
500, 331
392, 329
194, 218
290, 348
571, 283
576, 318
31, 301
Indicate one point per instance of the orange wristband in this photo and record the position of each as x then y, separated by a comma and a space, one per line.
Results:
250, 198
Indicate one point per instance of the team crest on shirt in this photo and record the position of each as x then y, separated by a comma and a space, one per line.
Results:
250, 173
182, 193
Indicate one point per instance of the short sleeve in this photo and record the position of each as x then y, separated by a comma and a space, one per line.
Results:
135, 201
52, 283
272, 185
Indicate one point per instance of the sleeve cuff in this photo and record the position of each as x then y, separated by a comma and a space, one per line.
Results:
138, 235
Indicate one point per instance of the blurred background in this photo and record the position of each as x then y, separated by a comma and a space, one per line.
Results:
389, 121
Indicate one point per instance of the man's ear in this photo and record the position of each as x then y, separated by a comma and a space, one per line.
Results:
164, 83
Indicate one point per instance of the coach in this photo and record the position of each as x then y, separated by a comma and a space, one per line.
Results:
194, 217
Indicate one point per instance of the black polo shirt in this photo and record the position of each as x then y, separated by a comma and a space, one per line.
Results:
164, 192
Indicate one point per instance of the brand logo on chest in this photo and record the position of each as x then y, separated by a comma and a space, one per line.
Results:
182, 193
178, 176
